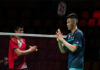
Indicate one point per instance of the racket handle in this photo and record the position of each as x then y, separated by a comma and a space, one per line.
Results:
57, 39
59, 31
36, 50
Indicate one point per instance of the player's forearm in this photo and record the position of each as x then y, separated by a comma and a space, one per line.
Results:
72, 48
26, 52
22, 52
61, 48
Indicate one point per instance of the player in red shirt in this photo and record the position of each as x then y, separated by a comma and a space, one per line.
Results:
17, 52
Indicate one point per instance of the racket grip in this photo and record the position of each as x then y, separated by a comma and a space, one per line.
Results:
58, 39
36, 50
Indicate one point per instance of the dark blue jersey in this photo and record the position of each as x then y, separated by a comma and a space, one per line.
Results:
76, 59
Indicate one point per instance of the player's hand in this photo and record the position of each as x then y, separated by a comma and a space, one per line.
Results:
59, 35
33, 48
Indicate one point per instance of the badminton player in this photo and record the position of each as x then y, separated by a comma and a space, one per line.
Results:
17, 52
74, 43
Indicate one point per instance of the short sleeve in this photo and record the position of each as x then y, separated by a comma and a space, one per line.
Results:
78, 40
13, 44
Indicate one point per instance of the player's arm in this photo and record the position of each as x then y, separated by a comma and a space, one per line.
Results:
61, 47
14, 46
60, 44
24, 52
77, 43
69, 46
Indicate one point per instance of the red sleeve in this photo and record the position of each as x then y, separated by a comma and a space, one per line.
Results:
13, 43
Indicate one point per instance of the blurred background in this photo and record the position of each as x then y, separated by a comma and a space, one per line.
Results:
45, 17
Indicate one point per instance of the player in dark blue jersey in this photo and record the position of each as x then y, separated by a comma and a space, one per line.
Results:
74, 44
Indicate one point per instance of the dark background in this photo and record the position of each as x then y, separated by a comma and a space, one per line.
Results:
40, 17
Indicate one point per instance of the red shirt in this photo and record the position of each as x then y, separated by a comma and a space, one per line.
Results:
15, 61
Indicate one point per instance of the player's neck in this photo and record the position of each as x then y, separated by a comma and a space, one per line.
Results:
74, 29
17, 37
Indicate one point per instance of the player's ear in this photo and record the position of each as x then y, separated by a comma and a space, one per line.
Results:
74, 22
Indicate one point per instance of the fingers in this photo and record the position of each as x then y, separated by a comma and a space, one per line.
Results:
33, 48
58, 34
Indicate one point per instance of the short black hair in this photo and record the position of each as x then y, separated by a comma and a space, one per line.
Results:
72, 15
16, 27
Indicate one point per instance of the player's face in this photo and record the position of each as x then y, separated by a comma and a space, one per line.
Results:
69, 24
20, 30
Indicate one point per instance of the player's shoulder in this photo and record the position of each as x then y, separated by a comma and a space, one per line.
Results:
79, 32
13, 40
